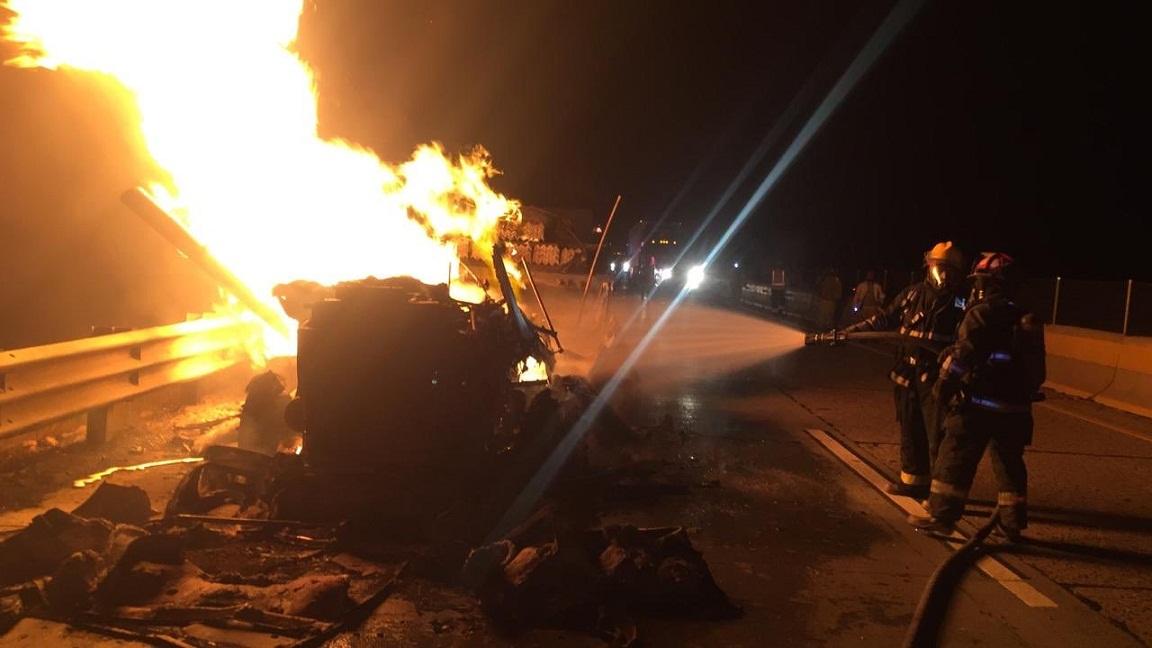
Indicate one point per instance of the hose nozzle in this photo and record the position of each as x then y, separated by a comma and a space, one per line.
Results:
831, 338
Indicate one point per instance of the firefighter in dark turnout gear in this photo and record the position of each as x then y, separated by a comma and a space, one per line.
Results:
989, 379
927, 313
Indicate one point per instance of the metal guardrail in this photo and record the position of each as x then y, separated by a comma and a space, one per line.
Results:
39, 385
1123, 307
792, 303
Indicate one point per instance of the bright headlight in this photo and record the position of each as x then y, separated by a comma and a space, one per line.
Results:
664, 274
695, 277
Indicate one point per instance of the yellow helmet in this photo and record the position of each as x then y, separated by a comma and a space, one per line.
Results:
945, 253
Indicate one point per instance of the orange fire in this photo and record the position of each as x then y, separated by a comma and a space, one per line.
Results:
229, 111
531, 370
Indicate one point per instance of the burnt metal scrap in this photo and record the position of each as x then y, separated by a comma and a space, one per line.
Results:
546, 573
201, 579
48, 541
117, 504
418, 432
191, 584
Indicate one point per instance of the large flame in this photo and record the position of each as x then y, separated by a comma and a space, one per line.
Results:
229, 111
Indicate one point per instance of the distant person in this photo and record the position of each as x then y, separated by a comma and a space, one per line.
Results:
829, 292
868, 298
926, 314
988, 379
778, 289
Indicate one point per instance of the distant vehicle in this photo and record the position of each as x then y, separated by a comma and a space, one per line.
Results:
655, 259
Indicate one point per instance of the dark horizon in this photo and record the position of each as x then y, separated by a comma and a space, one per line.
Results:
996, 127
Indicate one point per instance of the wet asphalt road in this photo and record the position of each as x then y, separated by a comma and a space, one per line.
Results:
819, 557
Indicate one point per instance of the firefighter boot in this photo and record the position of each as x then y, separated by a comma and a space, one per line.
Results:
941, 513
917, 492
1013, 508
1008, 533
932, 525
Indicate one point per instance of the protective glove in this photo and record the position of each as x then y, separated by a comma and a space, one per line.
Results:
944, 391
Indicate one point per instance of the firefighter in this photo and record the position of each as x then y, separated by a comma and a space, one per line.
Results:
927, 313
867, 297
988, 379
829, 292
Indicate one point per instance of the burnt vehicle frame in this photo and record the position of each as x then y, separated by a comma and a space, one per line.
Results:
410, 405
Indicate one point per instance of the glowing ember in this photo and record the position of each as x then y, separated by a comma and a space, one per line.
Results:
228, 110
531, 370
95, 477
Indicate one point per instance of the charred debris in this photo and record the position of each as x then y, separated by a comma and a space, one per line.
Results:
418, 432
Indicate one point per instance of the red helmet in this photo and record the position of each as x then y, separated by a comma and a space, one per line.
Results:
994, 273
994, 265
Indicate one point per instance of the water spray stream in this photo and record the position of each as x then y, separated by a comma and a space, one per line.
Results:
893, 23
701, 345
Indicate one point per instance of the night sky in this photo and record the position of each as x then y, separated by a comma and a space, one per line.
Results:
997, 125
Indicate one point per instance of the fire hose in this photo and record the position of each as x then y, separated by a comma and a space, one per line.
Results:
837, 337
924, 630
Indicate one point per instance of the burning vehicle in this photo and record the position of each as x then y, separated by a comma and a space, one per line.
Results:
400, 386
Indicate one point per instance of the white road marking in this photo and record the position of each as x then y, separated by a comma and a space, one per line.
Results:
995, 569
1031, 596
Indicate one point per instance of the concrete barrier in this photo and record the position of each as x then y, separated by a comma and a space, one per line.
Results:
1109, 368
795, 305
